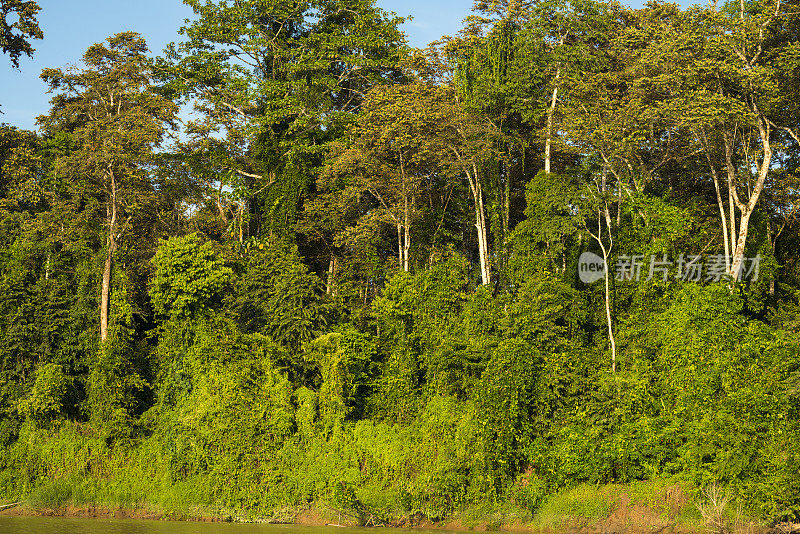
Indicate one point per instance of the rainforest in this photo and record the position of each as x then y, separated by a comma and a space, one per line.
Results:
293, 267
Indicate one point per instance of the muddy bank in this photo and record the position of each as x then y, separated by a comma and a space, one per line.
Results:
625, 517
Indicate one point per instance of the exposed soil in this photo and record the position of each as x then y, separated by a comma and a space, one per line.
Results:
626, 517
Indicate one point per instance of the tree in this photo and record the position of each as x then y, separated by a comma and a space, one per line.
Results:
189, 277
278, 297
116, 119
621, 115
701, 83
411, 136
278, 80
393, 155
751, 103
15, 36
468, 144
572, 35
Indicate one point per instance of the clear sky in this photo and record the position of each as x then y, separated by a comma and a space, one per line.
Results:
71, 26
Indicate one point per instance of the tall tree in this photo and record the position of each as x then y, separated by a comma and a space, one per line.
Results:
394, 154
753, 102
277, 80
489, 71
116, 119
470, 144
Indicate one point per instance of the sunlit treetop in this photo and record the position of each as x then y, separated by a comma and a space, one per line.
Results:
18, 26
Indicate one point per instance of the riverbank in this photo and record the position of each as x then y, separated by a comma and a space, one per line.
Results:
646, 508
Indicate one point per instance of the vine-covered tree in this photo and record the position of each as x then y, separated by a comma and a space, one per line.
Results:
278, 80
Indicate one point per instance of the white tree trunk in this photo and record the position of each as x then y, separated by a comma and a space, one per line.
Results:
764, 130
549, 135
399, 244
722, 216
111, 245
611, 339
406, 233
333, 265
738, 253
480, 225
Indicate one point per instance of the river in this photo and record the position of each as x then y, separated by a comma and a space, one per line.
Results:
60, 525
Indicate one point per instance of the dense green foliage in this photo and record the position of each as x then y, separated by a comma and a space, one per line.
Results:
18, 25
355, 279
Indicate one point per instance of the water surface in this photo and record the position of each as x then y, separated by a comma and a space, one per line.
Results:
61, 525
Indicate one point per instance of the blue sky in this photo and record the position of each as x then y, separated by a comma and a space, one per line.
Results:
71, 26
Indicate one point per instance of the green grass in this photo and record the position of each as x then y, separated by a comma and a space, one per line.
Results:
493, 515
584, 503
52, 494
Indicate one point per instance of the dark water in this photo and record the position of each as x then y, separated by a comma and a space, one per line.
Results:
59, 525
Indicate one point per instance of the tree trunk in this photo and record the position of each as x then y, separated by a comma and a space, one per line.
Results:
550, 112
104, 296
599, 238
480, 225
764, 130
406, 233
549, 135
771, 242
333, 265
721, 206
399, 243
471, 172
220, 207
732, 175
405, 239
111, 245
507, 207
738, 254
611, 339
606, 251
240, 217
